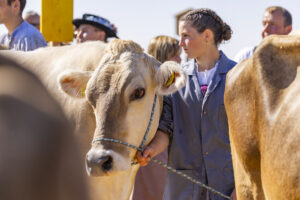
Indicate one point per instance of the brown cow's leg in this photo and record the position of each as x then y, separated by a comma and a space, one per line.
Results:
242, 182
248, 182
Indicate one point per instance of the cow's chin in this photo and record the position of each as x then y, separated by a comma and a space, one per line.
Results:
100, 162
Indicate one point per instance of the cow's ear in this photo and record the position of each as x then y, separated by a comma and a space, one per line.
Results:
74, 83
170, 78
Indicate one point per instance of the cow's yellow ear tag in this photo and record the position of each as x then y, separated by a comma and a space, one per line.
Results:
170, 80
83, 91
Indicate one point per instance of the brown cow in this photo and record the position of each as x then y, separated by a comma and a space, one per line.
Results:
39, 158
262, 103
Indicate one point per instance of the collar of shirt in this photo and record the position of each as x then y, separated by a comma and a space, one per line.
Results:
7, 38
205, 77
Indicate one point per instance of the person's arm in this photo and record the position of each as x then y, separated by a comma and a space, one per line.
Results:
161, 139
233, 195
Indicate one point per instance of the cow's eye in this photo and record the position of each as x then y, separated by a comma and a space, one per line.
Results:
137, 94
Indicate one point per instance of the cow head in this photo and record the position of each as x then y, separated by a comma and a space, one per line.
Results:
121, 92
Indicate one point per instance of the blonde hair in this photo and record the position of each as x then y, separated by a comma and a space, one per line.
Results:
163, 47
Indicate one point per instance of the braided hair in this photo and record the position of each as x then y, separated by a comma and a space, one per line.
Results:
204, 18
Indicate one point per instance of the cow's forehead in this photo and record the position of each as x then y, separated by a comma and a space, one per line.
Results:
129, 65
136, 61
131, 69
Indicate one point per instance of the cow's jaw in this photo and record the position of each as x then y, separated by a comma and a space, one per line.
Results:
115, 187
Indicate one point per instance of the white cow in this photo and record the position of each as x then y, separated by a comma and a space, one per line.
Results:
114, 101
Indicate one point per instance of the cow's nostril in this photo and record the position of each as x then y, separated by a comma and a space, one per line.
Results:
97, 165
106, 163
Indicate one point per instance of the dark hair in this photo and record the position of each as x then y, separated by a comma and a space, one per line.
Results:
204, 18
22, 4
285, 13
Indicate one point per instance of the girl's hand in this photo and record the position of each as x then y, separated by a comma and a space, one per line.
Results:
145, 157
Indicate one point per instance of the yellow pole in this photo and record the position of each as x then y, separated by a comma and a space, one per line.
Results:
56, 20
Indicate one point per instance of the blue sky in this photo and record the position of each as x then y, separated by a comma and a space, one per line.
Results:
141, 20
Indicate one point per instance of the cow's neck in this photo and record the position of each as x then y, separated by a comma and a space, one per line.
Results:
113, 187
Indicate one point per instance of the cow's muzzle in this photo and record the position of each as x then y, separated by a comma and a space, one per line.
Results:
98, 165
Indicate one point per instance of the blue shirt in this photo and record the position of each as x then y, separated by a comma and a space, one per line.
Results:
24, 38
199, 140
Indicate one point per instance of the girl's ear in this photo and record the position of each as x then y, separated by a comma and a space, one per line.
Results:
208, 35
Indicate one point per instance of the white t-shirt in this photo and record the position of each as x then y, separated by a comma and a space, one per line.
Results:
244, 53
205, 77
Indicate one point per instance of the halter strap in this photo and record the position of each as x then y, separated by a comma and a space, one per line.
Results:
141, 148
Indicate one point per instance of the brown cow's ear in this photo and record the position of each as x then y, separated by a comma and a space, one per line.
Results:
170, 78
74, 83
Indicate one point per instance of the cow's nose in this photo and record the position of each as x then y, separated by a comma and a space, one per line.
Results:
96, 165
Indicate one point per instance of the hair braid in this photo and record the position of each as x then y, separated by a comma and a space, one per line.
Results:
205, 18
